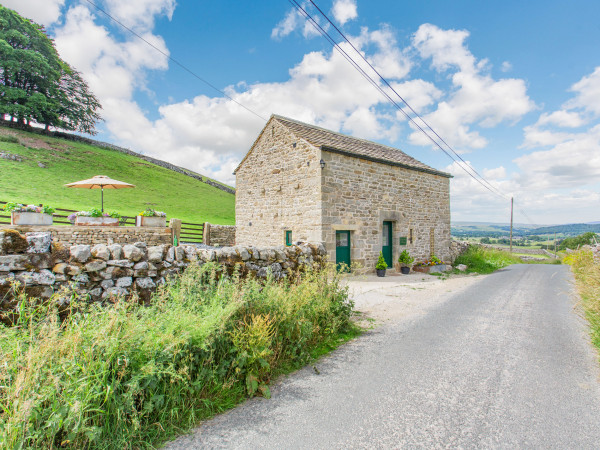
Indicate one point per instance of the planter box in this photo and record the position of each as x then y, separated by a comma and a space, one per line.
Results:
96, 221
30, 218
432, 269
143, 221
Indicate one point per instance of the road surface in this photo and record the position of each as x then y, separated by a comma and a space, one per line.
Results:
505, 363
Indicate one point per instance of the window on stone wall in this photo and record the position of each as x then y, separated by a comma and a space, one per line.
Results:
288, 237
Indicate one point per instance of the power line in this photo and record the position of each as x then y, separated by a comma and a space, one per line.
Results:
328, 37
175, 61
401, 98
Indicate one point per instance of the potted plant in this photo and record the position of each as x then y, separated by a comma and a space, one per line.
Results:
151, 218
29, 214
432, 265
381, 265
94, 217
405, 261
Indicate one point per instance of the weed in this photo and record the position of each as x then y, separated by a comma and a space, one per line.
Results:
587, 276
486, 260
129, 376
9, 139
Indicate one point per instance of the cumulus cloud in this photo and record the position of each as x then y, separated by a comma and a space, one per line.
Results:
344, 10
295, 20
44, 12
587, 93
128, 12
476, 99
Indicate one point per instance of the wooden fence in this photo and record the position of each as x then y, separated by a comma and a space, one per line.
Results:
191, 233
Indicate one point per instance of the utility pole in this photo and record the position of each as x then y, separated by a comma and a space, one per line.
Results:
511, 222
555, 244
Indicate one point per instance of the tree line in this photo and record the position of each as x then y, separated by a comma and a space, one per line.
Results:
36, 85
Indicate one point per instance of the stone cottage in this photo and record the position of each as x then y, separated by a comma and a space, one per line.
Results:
300, 182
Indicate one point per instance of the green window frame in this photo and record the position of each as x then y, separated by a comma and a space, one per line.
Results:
288, 237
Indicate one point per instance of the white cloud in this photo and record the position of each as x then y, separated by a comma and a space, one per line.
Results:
344, 10
295, 20
506, 66
476, 98
44, 12
587, 93
129, 12
562, 118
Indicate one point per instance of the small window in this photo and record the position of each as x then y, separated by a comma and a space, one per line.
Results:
288, 237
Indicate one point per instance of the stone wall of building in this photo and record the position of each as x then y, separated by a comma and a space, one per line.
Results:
359, 195
79, 235
219, 235
278, 189
106, 272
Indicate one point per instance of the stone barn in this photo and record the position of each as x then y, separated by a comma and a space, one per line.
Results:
300, 182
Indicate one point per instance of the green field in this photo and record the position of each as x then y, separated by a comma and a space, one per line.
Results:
180, 196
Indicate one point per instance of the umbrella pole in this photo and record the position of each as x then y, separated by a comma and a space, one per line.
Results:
102, 189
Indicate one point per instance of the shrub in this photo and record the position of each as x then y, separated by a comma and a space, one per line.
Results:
381, 264
486, 260
18, 207
587, 276
111, 376
149, 212
9, 139
405, 258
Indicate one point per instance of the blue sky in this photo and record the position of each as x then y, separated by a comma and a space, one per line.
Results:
512, 86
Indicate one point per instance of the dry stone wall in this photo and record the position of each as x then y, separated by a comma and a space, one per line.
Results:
219, 235
79, 235
106, 272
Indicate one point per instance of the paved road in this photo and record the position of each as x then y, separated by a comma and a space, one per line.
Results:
503, 364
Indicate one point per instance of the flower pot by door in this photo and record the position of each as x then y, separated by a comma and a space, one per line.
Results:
405, 270
380, 272
30, 218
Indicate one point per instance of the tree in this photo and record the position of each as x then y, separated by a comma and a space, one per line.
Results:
577, 241
36, 84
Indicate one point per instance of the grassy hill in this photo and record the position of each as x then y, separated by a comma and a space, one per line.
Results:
47, 163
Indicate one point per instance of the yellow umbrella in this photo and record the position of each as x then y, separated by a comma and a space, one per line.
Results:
100, 182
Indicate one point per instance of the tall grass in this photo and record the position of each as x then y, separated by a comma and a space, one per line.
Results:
486, 260
587, 275
128, 376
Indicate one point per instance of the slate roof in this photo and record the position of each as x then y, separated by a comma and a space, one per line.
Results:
351, 146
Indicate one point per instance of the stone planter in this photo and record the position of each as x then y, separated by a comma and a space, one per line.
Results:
96, 221
151, 221
30, 218
432, 269
380, 272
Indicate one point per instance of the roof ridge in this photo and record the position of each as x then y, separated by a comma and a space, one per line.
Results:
277, 116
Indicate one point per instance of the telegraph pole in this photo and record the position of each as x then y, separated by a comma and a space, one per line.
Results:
511, 222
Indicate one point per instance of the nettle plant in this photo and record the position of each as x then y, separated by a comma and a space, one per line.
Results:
149, 212
19, 207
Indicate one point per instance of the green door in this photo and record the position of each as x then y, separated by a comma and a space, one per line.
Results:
342, 250
386, 247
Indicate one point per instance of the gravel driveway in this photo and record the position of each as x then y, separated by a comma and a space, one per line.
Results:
501, 361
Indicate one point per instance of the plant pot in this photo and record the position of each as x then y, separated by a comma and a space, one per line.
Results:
405, 270
432, 269
96, 221
380, 272
30, 218
150, 221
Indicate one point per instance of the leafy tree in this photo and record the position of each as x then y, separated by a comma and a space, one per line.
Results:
485, 240
577, 241
36, 84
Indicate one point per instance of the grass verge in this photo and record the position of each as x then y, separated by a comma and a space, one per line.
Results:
486, 260
587, 276
129, 376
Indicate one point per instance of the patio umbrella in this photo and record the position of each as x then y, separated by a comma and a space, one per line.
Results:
100, 182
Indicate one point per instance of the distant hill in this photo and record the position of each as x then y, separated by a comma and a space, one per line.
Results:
34, 167
573, 229
495, 230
